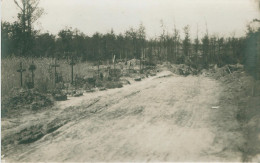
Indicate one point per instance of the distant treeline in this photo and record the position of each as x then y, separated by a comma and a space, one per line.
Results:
209, 49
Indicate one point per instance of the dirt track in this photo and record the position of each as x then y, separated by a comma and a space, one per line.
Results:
163, 118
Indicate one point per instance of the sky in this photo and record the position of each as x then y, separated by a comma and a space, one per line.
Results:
222, 17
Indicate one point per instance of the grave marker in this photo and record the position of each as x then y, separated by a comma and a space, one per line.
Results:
72, 63
98, 67
55, 65
114, 58
32, 68
21, 70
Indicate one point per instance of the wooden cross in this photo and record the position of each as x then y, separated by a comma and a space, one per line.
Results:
55, 65
130, 64
21, 70
143, 59
141, 62
72, 63
98, 67
32, 68
114, 58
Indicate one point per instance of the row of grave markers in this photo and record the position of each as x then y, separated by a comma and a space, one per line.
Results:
32, 68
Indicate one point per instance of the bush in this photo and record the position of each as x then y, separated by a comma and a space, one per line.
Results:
92, 81
99, 83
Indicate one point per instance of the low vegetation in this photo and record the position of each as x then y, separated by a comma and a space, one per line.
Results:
105, 61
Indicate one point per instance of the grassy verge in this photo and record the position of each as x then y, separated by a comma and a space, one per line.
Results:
238, 87
88, 77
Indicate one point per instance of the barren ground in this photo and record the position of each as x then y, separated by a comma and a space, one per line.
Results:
162, 118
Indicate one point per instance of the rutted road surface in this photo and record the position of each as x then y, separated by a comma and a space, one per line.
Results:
163, 118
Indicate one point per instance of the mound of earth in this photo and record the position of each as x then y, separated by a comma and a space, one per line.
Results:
25, 99
182, 69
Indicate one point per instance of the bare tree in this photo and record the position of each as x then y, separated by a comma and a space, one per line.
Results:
205, 47
163, 40
176, 42
196, 46
186, 42
29, 13
141, 37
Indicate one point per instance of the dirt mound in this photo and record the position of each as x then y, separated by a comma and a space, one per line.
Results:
113, 84
133, 62
182, 69
25, 99
220, 72
60, 97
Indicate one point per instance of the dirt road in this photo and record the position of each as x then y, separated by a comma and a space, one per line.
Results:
163, 118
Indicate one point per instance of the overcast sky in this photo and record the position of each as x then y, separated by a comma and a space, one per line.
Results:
223, 17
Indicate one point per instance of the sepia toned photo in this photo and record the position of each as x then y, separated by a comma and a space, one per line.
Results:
130, 80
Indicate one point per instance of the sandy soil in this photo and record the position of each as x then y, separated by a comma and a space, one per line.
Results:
163, 118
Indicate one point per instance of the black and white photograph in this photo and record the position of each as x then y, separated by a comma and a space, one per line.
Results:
130, 81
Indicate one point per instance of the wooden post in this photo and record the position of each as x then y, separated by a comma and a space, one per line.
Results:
55, 65
76, 80
98, 67
141, 62
21, 70
129, 66
32, 68
72, 63
143, 59
114, 61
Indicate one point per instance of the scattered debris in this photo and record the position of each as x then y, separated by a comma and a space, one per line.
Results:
102, 89
113, 84
125, 82
138, 79
182, 69
60, 97
153, 74
219, 72
165, 76
78, 94
90, 90
91, 81
229, 70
